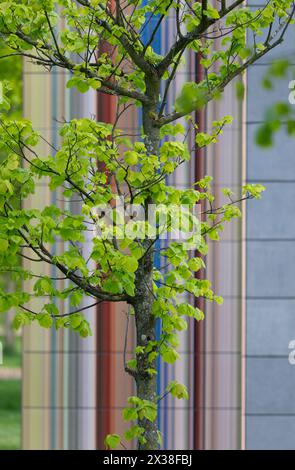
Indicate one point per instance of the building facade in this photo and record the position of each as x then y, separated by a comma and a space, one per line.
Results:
235, 363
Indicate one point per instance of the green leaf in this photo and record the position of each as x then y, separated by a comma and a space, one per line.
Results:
160, 438
244, 53
84, 329
180, 324
131, 157
20, 320
291, 127
213, 235
195, 264
264, 136
193, 96
3, 244
266, 83
178, 390
279, 68
211, 12
134, 400
218, 299
43, 286
113, 286
133, 432
130, 264
75, 320
129, 414
240, 90
148, 411
79, 83
132, 364
254, 190
190, 311
51, 309
76, 297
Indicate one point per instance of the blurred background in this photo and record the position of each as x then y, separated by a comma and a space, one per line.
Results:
58, 391
10, 371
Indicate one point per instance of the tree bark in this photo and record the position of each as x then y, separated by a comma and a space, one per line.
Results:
143, 301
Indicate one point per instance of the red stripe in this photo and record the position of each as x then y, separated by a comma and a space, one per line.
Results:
105, 113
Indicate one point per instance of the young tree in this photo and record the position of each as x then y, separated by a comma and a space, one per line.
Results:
98, 165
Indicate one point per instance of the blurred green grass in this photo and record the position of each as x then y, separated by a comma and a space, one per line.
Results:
12, 358
10, 430
10, 414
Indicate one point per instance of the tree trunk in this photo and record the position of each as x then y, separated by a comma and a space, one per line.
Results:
145, 332
143, 302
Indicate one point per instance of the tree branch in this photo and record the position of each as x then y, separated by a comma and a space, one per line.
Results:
60, 60
46, 256
138, 58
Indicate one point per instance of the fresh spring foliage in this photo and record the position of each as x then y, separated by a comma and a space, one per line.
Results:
96, 164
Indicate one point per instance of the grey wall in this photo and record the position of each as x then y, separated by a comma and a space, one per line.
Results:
270, 324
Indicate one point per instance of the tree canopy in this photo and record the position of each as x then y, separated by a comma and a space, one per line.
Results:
98, 165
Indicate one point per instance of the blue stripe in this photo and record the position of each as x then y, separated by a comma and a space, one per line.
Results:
148, 27
53, 335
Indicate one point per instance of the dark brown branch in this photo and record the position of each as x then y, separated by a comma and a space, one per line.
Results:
65, 314
220, 88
